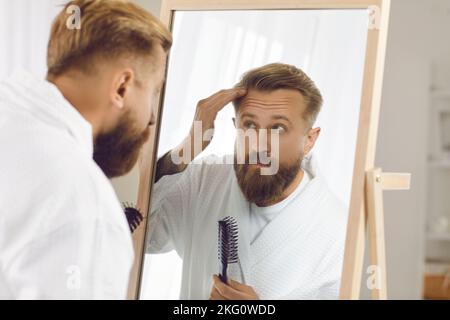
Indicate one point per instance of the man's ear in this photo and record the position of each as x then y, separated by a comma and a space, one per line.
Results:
121, 86
311, 138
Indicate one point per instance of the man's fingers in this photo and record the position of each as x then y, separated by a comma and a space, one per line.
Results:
223, 97
231, 283
224, 290
227, 97
238, 286
215, 295
211, 98
225, 92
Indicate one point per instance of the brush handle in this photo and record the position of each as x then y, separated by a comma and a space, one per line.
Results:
223, 275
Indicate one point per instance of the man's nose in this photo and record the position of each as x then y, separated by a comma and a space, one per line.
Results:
261, 146
264, 141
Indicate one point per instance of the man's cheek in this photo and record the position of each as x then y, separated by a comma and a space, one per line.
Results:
289, 149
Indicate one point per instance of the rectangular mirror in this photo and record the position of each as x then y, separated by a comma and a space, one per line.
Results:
298, 227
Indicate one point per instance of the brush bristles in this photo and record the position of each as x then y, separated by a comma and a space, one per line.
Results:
134, 216
228, 241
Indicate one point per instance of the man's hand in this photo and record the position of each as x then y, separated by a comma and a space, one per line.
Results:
206, 113
232, 291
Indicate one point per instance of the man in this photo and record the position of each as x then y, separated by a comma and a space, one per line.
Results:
63, 234
291, 227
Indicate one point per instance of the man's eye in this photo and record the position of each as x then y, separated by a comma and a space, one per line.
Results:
278, 127
249, 125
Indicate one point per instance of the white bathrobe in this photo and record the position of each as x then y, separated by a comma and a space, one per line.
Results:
298, 254
63, 234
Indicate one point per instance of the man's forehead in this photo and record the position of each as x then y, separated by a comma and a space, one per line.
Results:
276, 100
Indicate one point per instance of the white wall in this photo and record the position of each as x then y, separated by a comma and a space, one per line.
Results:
24, 31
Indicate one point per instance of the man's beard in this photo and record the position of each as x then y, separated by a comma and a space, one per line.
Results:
262, 189
117, 151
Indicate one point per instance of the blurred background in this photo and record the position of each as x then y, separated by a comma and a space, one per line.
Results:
413, 136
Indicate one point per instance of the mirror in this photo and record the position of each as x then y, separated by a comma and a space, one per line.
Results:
288, 248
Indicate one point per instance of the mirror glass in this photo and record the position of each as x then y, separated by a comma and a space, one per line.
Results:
288, 248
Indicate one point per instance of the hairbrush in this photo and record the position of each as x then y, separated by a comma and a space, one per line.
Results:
134, 216
228, 245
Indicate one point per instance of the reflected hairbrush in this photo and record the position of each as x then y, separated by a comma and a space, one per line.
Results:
228, 245
134, 216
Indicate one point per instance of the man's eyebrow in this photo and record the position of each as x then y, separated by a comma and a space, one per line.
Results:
274, 117
247, 114
281, 117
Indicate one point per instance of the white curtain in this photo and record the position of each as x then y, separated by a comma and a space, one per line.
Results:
211, 51
24, 31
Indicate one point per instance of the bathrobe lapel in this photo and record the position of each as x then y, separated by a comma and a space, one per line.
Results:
289, 222
276, 235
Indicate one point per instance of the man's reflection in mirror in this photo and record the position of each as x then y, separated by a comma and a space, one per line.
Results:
291, 227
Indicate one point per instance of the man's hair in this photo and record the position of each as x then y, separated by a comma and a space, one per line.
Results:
283, 76
110, 29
